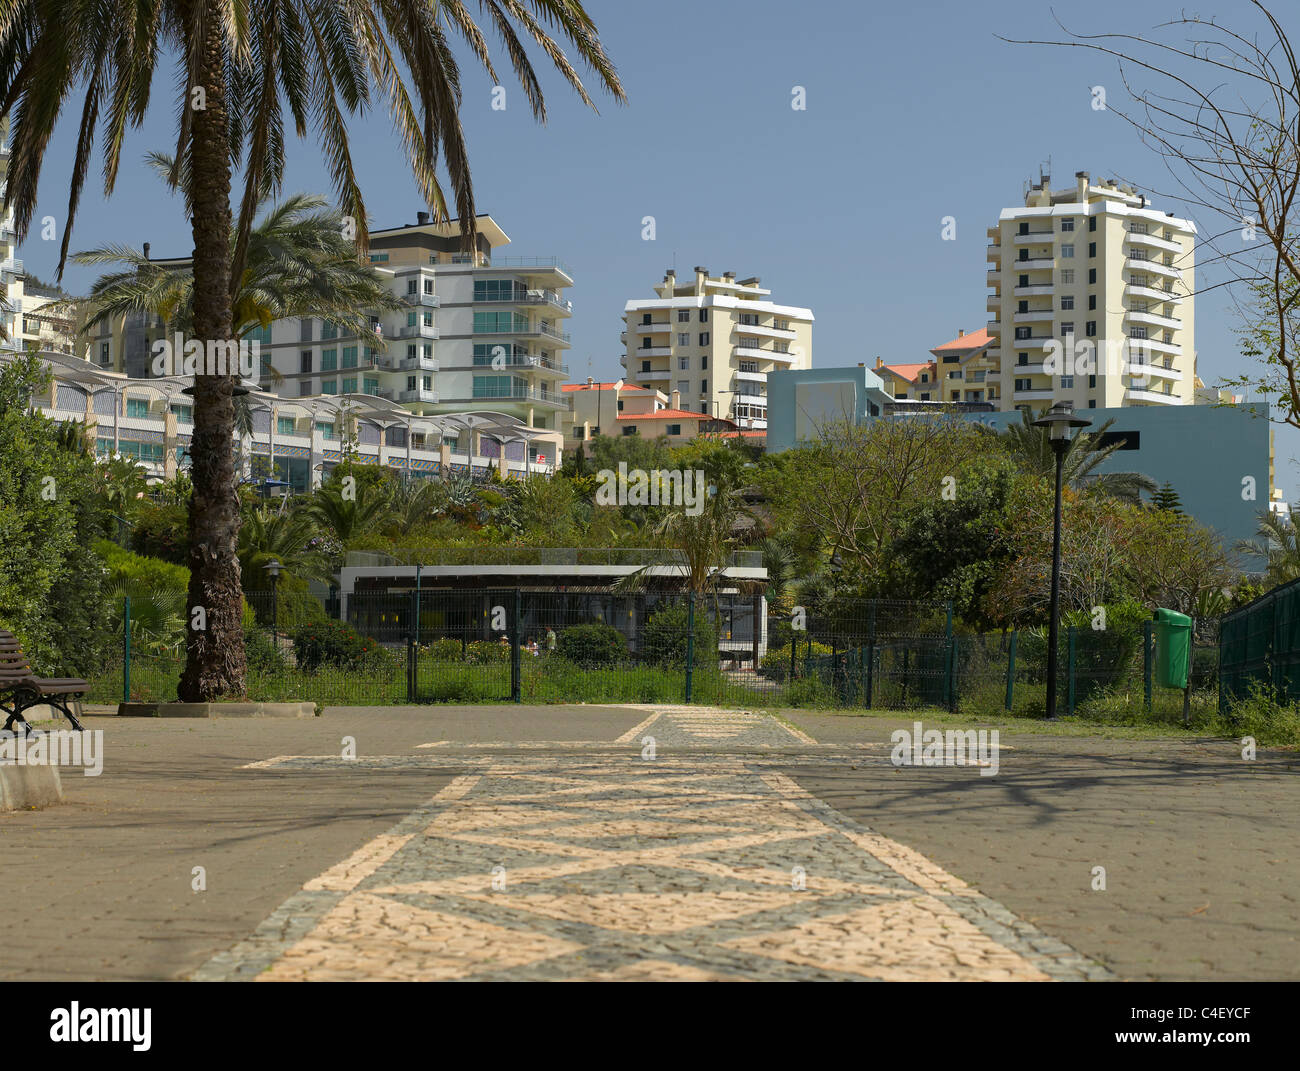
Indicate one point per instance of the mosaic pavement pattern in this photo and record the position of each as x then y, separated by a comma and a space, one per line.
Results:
588, 862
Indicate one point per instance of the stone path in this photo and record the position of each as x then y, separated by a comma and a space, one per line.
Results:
588, 860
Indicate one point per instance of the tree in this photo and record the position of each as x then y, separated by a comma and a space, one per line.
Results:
1166, 498
299, 264
240, 65
1030, 446
292, 539
1218, 105
1278, 544
348, 516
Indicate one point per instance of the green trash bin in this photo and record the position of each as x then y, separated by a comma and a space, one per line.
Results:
1173, 648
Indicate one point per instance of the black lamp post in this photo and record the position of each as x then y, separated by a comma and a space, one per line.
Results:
273, 569
1061, 424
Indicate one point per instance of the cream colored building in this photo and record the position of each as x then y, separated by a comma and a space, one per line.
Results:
1091, 264
713, 342
621, 408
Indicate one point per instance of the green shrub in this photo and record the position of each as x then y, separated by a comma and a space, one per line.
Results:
140, 570
330, 642
663, 640
485, 652
776, 663
445, 649
592, 645
263, 655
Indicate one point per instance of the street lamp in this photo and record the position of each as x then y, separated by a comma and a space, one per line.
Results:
1061, 424
273, 569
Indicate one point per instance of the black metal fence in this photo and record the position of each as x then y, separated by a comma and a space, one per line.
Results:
1259, 647
597, 646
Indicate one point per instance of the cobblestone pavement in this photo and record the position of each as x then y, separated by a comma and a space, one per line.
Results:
596, 862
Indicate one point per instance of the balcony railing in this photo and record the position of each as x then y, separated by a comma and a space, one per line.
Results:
418, 331
532, 262
431, 301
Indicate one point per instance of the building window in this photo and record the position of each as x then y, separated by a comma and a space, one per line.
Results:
1090, 329
498, 290
683, 386
630, 430
1067, 251
1067, 303
1092, 403
683, 364
1067, 327
103, 353
370, 386
350, 357
329, 386
683, 316
674, 429
704, 338
683, 339
304, 388
1092, 382
1092, 301
704, 361
1092, 249
704, 316
1022, 332
285, 425
620, 405
1067, 382
326, 430
1067, 223
184, 413
304, 361
328, 330
1067, 276
1022, 384
329, 360
1092, 276
350, 385
137, 407
1092, 223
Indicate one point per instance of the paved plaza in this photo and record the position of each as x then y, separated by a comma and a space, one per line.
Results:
639, 843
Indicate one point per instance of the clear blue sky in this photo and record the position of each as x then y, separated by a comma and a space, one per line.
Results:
914, 112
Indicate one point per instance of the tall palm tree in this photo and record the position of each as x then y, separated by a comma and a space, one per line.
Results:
1278, 544
348, 516
1031, 448
299, 264
289, 538
240, 65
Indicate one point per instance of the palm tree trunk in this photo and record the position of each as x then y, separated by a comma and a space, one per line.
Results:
215, 664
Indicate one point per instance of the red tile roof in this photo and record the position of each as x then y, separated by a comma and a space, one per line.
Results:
906, 371
965, 343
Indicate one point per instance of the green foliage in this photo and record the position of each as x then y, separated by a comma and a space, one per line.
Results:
776, 662
592, 645
263, 655
445, 649
664, 637
139, 569
330, 642
53, 588
486, 652
162, 530
1166, 498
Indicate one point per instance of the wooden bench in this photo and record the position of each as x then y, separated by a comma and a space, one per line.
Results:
21, 689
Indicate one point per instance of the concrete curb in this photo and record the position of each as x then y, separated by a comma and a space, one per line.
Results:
216, 710
25, 787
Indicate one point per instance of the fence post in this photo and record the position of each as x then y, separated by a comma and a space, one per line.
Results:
126, 649
411, 653
516, 690
1011, 670
1146, 664
1069, 660
690, 643
794, 643
953, 641
871, 668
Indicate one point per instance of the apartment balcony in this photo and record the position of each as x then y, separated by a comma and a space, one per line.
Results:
547, 297
993, 253
418, 395
11, 264
1034, 290
551, 268
993, 278
1034, 316
1154, 294
1038, 342
1032, 264
1035, 394
742, 376
417, 331
527, 362
1151, 345
742, 398
418, 364
1154, 266
740, 350
1153, 242
653, 328
1154, 397
1028, 370
1036, 238
1136, 317
428, 301
1159, 371
994, 327
652, 375
751, 423
653, 351
531, 395
993, 303
764, 331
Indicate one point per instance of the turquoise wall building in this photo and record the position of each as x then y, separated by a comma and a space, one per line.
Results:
1218, 458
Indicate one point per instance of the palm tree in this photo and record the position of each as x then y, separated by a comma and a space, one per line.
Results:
348, 516
1031, 449
240, 65
290, 538
298, 264
1278, 544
